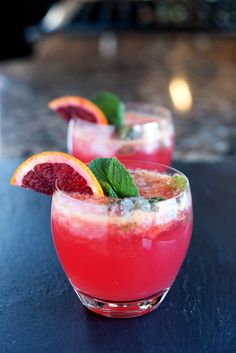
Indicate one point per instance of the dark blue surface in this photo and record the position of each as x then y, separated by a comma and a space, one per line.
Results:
39, 312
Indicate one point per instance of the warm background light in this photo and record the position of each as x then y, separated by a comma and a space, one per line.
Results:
180, 94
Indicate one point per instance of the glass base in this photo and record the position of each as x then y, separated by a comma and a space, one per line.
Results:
122, 309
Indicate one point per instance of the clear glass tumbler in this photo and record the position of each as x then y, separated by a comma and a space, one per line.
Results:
148, 134
122, 255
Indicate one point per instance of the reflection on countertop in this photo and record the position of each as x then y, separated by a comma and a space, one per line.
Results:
194, 75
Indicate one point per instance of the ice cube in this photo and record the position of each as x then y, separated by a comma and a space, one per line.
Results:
114, 209
126, 205
141, 203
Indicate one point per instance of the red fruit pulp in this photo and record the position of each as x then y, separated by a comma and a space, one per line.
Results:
44, 176
71, 111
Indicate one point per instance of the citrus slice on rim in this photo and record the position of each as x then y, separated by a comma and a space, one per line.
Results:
46, 171
69, 107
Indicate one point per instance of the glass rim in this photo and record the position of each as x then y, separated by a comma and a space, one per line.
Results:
176, 171
165, 114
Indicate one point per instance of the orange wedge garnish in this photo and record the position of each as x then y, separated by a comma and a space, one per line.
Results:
69, 107
45, 171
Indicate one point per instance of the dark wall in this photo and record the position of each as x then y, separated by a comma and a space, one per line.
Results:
15, 15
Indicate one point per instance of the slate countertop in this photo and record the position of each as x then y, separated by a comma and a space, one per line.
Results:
40, 313
137, 67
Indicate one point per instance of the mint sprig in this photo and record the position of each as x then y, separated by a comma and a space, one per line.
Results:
178, 182
111, 106
114, 178
107, 189
156, 199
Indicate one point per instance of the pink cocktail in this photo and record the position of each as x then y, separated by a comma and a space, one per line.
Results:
122, 255
148, 134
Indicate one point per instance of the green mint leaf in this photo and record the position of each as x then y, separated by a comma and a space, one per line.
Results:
107, 189
114, 178
156, 199
112, 107
178, 182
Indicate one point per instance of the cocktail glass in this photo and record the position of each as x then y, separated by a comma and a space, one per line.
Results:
148, 134
123, 256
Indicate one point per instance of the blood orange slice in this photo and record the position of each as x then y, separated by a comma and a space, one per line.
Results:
69, 107
44, 171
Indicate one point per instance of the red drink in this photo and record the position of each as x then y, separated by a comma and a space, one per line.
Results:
148, 135
126, 250
110, 269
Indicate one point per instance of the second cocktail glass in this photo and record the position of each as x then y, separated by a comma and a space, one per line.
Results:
148, 134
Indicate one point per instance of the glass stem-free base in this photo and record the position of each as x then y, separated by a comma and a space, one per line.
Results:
122, 309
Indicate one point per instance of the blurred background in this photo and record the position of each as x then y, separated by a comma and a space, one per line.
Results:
180, 54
